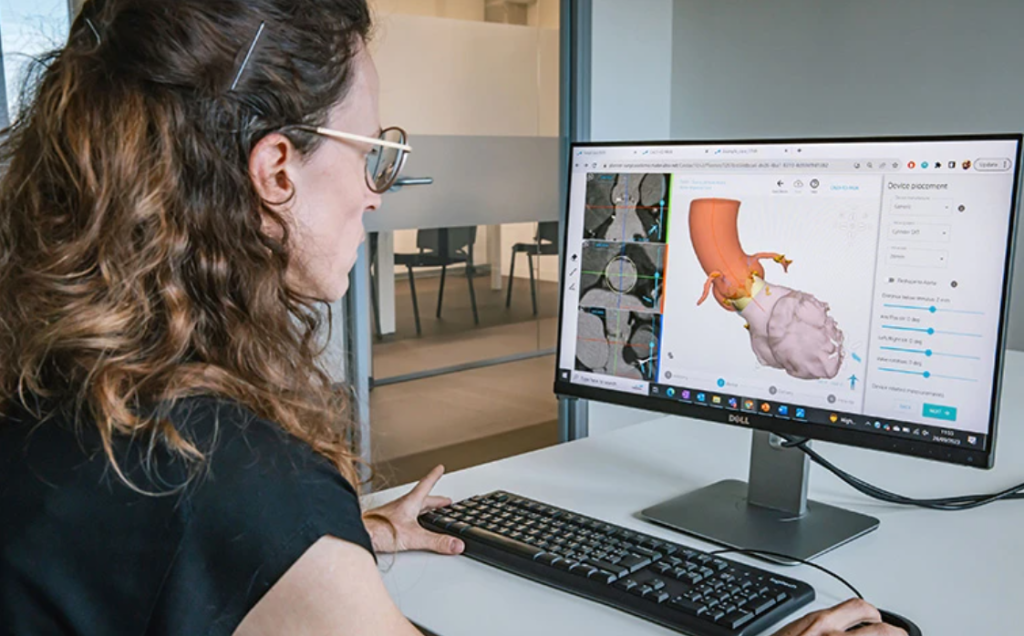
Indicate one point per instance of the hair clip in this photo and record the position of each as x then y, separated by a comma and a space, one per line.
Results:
95, 32
248, 55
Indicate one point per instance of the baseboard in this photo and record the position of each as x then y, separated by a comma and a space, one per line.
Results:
435, 272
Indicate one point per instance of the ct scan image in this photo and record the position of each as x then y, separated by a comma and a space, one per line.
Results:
627, 207
618, 342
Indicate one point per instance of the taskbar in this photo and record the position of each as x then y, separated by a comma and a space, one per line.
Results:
825, 417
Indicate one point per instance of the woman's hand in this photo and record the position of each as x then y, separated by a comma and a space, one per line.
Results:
393, 527
839, 619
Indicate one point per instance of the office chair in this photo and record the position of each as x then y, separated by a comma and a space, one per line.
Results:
545, 243
441, 248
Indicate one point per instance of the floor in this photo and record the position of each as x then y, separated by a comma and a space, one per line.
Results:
471, 417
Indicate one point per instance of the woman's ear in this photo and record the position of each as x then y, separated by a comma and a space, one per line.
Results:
269, 166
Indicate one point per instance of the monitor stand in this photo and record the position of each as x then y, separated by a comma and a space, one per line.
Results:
770, 513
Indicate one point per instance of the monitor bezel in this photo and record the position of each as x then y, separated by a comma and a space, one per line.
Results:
981, 458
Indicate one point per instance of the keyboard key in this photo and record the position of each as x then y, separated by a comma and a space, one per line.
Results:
761, 606
650, 554
547, 558
431, 515
502, 543
565, 564
582, 570
616, 570
657, 596
633, 562
603, 576
736, 619
641, 590
688, 606
625, 584
444, 522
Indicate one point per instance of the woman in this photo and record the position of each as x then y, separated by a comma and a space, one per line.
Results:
174, 210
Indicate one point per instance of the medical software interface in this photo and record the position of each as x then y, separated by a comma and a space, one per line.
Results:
842, 284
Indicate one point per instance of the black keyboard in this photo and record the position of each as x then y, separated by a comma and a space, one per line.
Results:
670, 584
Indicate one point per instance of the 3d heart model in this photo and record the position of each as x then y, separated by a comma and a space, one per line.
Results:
789, 329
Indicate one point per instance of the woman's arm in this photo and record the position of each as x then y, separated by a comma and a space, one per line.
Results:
334, 588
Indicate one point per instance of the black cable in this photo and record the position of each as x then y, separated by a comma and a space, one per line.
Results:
948, 504
778, 555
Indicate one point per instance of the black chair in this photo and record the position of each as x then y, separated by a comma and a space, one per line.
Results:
545, 243
441, 248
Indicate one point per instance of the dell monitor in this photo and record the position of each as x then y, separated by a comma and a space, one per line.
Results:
848, 290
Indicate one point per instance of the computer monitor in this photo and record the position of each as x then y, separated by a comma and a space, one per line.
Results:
848, 290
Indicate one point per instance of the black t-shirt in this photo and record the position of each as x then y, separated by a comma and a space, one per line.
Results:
81, 553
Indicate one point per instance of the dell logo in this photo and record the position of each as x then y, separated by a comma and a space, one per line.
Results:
739, 419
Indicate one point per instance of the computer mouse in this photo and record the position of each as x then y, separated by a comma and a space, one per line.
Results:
898, 621
895, 620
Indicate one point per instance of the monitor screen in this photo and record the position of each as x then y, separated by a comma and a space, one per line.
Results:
848, 290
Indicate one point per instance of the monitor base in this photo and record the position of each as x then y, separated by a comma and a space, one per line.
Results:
722, 513
768, 512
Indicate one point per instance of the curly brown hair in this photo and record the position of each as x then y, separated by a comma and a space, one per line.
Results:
136, 267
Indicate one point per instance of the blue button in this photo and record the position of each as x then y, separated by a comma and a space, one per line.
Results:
939, 412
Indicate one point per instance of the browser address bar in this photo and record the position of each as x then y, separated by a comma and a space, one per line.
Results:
754, 165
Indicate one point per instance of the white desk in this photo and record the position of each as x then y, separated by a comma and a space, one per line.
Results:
954, 574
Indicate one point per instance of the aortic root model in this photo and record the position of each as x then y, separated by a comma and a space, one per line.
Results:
789, 329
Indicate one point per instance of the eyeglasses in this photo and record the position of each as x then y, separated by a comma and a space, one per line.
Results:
385, 161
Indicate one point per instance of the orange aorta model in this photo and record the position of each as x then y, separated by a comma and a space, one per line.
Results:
789, 330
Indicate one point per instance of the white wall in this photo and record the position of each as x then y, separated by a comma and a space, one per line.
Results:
871, 67
455, 9
545, 14
631, 71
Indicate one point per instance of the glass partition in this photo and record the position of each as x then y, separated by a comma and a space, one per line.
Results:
464, 258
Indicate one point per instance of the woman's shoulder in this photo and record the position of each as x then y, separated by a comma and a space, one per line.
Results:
190, 546
260, 500
236, 441
252, 467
